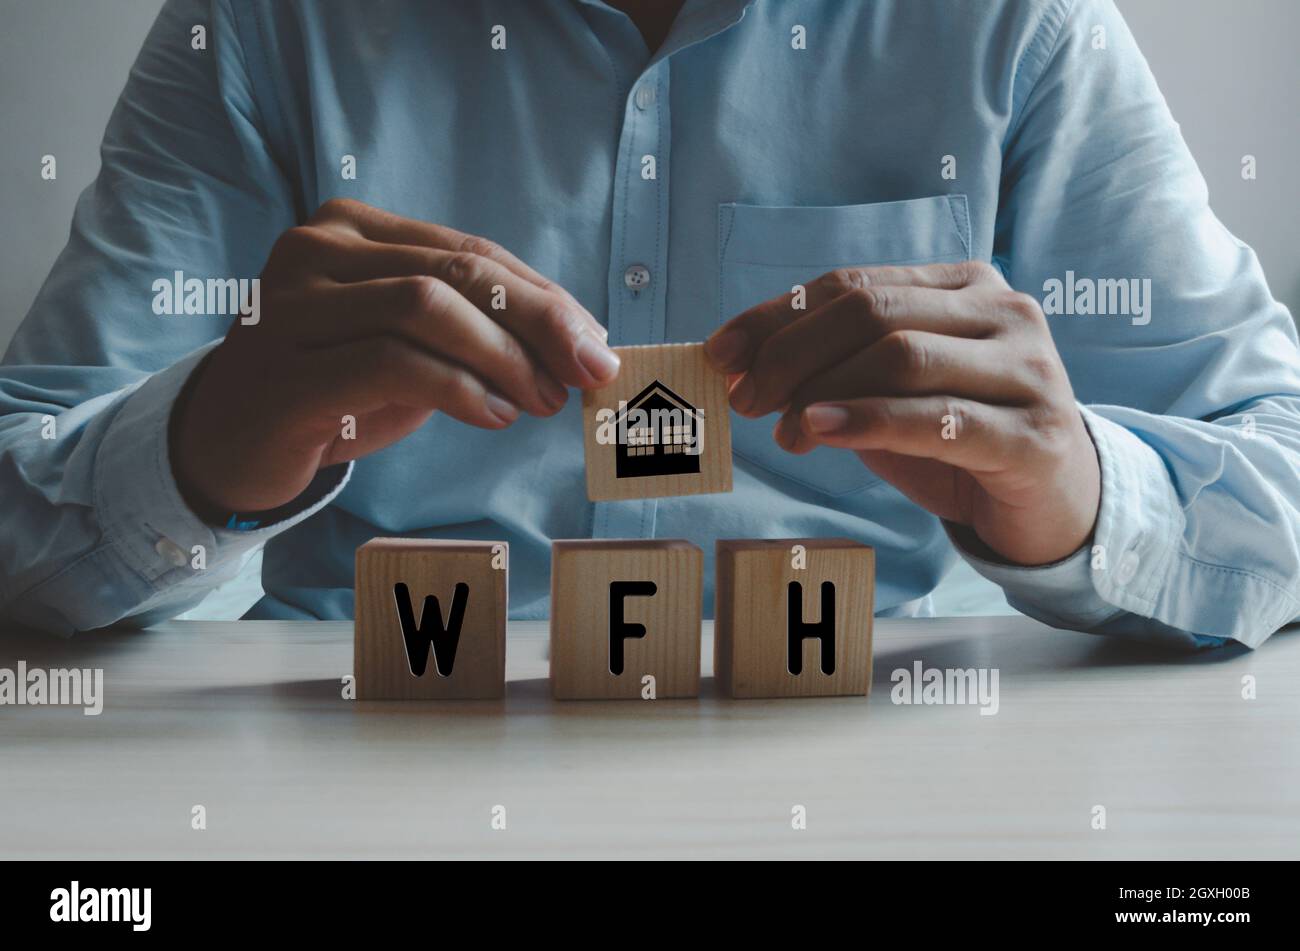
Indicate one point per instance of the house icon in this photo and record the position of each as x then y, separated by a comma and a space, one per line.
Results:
659, 434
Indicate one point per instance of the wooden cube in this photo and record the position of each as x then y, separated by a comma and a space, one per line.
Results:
622, 611
663, 427
430, 619
793, 617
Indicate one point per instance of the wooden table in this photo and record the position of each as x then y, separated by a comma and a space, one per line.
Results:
246, 718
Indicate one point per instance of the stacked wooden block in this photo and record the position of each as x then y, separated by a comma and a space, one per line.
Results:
793, 618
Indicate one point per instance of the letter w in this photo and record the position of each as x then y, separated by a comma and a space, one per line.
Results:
431, 631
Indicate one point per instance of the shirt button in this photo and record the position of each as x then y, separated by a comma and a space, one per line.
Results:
637, 276
1127, 568
644, 97
172, 552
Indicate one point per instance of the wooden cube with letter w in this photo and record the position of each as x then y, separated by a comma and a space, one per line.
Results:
430, 619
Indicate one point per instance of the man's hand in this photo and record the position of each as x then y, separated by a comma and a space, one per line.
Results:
384, 319
944, 381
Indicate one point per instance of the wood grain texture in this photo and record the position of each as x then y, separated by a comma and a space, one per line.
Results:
752, 592
246, 717
430, 567
684, 369
581, 573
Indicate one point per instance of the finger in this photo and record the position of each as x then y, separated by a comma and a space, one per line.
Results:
432, 316
974, 436
556, 333
733, 345
917, 363
384, 227
368, 375
479, 279
851, 323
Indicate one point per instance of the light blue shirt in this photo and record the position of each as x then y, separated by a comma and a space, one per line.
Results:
789, 138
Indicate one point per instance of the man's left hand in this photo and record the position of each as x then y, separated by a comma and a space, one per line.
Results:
944, 381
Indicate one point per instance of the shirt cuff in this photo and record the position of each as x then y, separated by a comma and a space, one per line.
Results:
139, 505
1140, 523
1061, 593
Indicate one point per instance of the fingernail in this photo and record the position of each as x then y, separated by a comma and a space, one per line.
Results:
597, 359
553, 391
825, 417
726, 348
742, 394
502, 409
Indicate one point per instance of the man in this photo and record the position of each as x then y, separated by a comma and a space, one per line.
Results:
811, 186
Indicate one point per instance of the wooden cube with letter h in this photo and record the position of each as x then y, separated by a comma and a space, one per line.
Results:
625, 619
662, 427
793, 617
430, 619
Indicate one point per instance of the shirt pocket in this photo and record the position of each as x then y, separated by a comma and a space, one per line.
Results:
764, 251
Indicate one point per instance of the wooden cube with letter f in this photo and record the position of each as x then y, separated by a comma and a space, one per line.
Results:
625, 619
430, 619
793, 617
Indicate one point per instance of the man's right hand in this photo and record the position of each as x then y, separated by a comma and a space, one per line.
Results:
384, 319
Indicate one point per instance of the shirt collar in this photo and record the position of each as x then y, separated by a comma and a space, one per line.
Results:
697, 20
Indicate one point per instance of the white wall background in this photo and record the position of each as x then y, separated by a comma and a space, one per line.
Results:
1228, 68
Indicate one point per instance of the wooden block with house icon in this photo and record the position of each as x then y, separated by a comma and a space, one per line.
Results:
430, 619
625, 619
661, 428
793, 617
